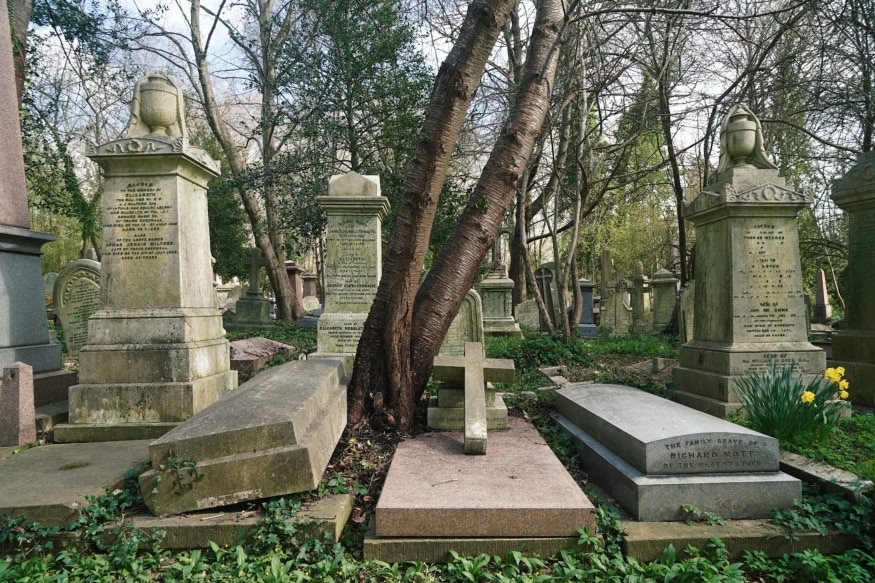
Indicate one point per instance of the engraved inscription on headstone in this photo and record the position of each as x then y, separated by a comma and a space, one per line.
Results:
77, 296
138, 224
467, 326
350, 264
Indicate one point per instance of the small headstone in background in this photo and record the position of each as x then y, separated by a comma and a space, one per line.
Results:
293, 272
822, 307
17, 423
253, 309
76, 297
687, 312
467, 326
496, 292
665, 301
586, 328
526, 314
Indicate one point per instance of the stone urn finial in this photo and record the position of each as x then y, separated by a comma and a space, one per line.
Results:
741, 141
157, 108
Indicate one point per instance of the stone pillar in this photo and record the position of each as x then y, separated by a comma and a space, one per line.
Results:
665, 293
586, 328
640, 294
822, 307
24, 332
496, 292
749, 303
294, 274
156, 351
309, 285
353, 259
17, 414
854, 347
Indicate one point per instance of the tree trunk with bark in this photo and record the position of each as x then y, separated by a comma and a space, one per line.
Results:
405, 327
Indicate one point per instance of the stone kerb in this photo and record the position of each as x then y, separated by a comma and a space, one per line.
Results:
854, 348
353, 259
75, 297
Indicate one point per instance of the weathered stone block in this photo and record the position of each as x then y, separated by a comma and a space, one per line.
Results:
272, 436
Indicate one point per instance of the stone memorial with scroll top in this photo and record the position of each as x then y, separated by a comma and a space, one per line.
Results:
749, 303
76, 296
156, 351
353, 259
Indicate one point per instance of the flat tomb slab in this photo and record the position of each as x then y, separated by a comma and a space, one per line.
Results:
661, 497
661, 437
272, 436
518, 489
49, 483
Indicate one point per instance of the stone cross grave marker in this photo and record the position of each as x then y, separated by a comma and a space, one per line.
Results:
544, 280
474, 370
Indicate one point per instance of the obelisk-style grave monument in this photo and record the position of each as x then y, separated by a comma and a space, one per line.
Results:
749, 304
156, 351
24, 332
854, 348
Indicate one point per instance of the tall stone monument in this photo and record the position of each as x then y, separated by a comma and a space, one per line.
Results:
749, 303
854, 347
586, 328
496, 291
822, 307
353, 259
24, 332
156, 351
665, 301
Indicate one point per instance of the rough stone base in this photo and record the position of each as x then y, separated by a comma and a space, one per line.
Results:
453, 418
88, 432
660, 498
587, 331
501, 327
437, 549
322, 519
706, 374
272, 436
52, 387
520, 489
645, 541
252, 312
147, 402
43, 357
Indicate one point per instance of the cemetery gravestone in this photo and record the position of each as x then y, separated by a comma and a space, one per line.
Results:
253, 309
642, 319
76, 297
687, 315
665, 300
822, 307
17, 414
496, 292
545, 278
750, 309
24, 331
293, 272
527, 315
586, 328
156, 353
654, 455
854, 347
353, 259
466, 327
309, 285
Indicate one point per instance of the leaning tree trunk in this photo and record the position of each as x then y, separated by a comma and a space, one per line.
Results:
383, 359
456, 265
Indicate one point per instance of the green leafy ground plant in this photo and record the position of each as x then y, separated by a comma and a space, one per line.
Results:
777, 403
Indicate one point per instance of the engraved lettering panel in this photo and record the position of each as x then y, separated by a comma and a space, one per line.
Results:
78, 298
718, 453
768, 305
351, 263
139, 225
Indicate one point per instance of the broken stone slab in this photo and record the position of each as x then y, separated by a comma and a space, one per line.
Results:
272, 436
253, 354
50, 483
